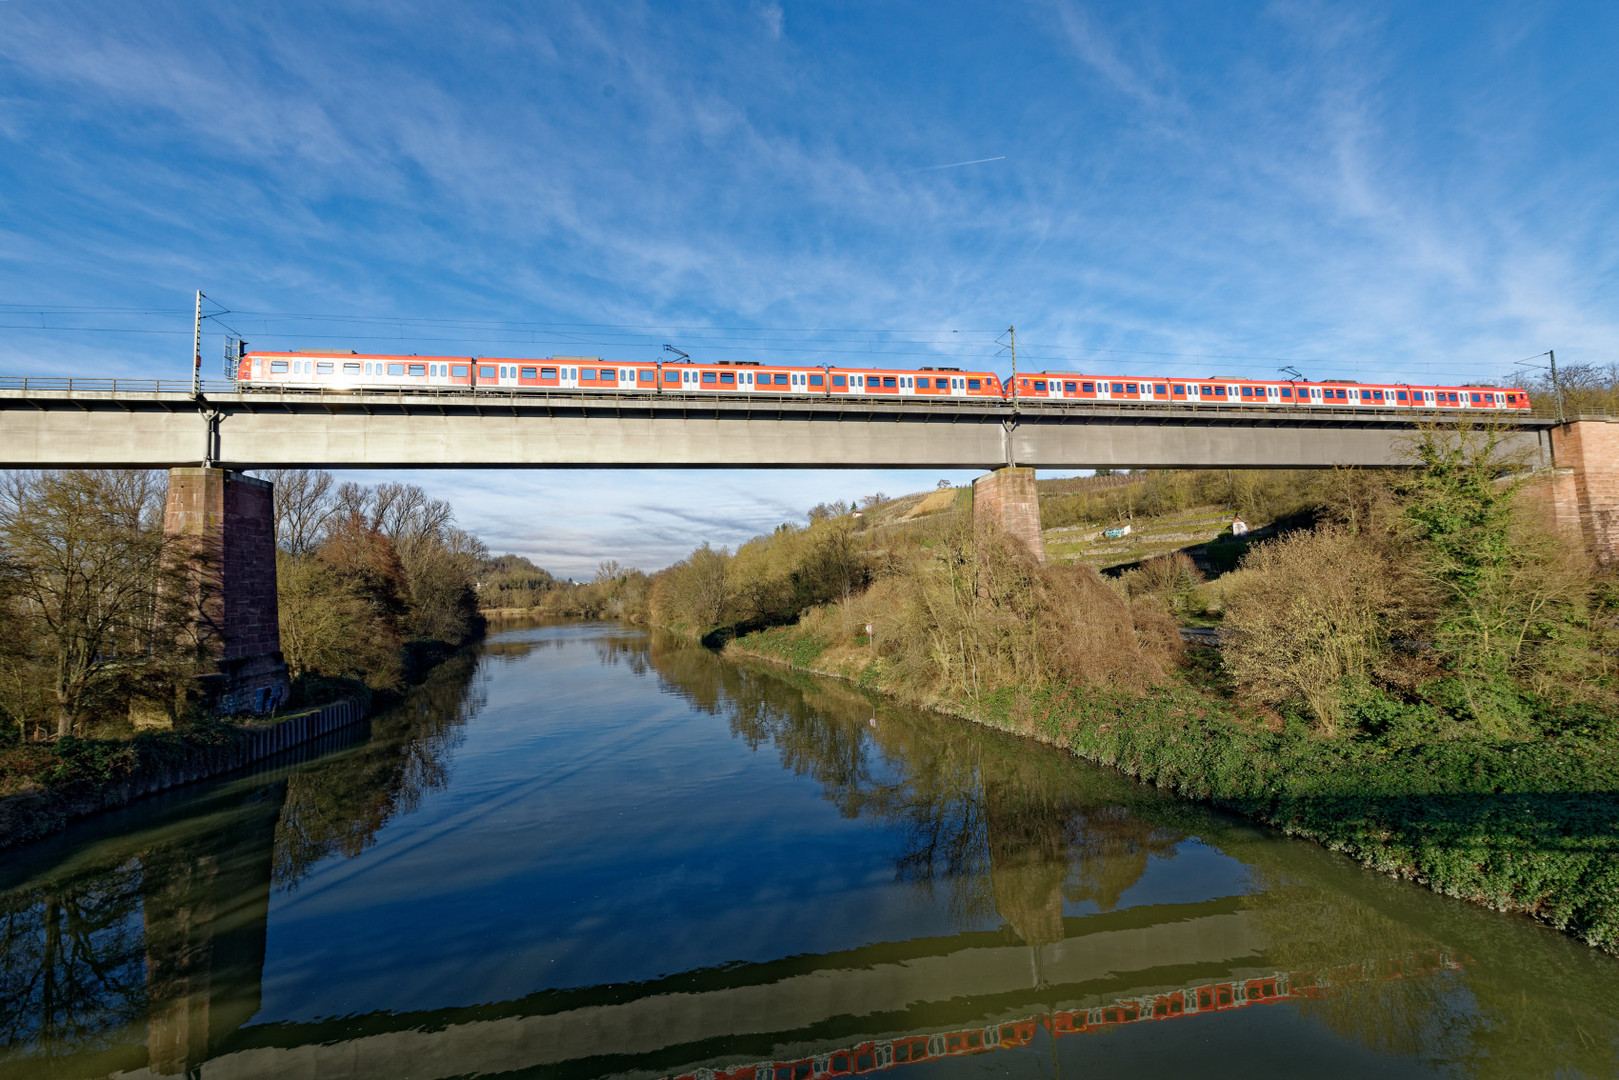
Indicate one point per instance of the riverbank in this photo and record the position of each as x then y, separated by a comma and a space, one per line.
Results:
1528, 827
73, 779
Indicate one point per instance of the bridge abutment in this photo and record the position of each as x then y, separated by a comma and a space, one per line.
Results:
1583, 493
228, 520
1007, 500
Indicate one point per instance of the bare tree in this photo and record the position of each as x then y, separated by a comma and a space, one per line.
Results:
304, 501
101, 592
352, 498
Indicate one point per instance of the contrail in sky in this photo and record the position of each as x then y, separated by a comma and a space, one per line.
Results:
959, 164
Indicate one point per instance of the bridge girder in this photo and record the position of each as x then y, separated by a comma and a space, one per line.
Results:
96, 429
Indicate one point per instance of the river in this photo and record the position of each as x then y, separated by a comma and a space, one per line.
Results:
585, 850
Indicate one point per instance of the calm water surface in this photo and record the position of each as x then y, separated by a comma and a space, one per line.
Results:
588, 851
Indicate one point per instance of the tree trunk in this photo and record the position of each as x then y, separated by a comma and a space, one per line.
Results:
64, 715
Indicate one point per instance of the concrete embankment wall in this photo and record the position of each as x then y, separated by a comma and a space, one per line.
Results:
31, 815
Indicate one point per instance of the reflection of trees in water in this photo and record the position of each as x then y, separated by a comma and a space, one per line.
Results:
161, 926
1005, 826
166, 924
339, 806
614, 650
72, 964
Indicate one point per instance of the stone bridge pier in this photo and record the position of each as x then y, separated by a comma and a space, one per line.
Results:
228, 519
1008, 501
1583, 491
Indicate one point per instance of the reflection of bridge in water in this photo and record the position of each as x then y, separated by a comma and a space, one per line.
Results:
879, 1055
839, 1014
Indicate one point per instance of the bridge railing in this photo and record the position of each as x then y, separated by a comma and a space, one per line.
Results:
55, 384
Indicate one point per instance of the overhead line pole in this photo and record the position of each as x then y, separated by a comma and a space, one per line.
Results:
1557, 387
1011, 332
196, 350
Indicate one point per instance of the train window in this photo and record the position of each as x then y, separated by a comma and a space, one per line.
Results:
1343, 395
485, 371
1287, 391
1088, 387
817, 380
1160, 388
780, 379
1069, 388
926, 384
587, 375
1510, 398
1118, 388
840, 380
351, 369
728, 377
1400, 395
1219, 391
646, 375
609, 375
671, 377
278, 367
528, 373
1247, 391
1180, 388
710, 377
1130, 388
324, 367
399, 369
547, 373
974, 384
1477, 399
1039, 384
890, 380
459, 371
418, 369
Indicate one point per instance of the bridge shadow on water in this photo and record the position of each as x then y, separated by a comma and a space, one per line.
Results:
137, 946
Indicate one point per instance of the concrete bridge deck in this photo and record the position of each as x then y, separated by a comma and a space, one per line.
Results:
102, 424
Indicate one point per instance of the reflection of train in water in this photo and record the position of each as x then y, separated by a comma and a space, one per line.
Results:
327, 370
880, 1054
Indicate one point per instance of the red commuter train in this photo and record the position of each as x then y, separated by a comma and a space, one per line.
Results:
332, 370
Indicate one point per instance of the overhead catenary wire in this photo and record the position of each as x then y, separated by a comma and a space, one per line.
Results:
874, 343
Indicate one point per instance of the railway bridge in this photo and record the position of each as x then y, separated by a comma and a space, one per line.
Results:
209, 440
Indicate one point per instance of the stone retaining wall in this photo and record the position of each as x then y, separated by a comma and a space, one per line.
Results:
34, 814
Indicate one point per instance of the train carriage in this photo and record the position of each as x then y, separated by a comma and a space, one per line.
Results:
325, 370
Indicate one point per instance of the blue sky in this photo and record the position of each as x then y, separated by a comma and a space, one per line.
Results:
1358, 189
